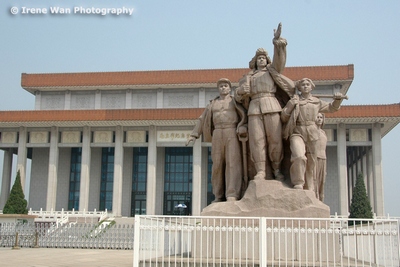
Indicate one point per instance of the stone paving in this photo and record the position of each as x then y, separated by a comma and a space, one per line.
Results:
64, 257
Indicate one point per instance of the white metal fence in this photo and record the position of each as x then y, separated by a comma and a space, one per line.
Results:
100, 236
230, 241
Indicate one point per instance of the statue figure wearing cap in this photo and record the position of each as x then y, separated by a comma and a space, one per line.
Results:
220, 123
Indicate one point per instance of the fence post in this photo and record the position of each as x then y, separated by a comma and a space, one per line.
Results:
16, 242
263, 242
36, 240
136, 242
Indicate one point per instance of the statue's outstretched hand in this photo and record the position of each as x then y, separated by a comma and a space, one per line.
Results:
277, 32
190, 139
338, 96
278, 40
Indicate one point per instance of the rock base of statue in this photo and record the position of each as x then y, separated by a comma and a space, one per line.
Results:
271, 198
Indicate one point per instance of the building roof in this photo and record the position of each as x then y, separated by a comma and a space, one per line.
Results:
388, 115
360, 111
133, 79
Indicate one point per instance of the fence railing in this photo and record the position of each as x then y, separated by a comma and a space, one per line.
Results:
61, 217
107, 236
230, 241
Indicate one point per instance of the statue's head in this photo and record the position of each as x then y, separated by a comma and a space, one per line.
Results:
320, 119
224, 80
300, 82
259, 52
224, 86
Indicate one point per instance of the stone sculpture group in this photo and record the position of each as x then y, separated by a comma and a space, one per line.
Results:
250, 128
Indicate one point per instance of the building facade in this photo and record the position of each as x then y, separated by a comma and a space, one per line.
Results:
116, 140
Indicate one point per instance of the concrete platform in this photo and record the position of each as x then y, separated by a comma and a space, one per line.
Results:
63, 257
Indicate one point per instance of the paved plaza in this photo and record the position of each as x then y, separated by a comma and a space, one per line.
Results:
63, 257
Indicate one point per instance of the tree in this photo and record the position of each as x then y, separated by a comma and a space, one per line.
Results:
16, 202
360, 207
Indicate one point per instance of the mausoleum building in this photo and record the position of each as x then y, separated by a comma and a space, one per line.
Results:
116, 140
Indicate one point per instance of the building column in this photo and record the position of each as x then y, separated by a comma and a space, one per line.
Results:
371, 179
364, 167
6, 178
196, 182
22, 154
342, 170
52, 174
118, 167
85, 170
350, 173
377, 169
151, 172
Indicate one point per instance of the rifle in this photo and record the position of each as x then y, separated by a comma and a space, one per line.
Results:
330, 96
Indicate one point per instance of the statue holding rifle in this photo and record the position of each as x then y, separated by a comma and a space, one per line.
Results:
300, 114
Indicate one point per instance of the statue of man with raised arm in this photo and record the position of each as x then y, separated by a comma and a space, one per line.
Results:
257, 92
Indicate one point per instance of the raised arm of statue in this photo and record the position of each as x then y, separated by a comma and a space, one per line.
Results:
277, 32
279, 59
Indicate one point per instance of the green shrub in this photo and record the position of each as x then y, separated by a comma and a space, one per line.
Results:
16, 202
360, 207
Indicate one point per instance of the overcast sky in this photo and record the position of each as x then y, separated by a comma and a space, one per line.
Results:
203, 34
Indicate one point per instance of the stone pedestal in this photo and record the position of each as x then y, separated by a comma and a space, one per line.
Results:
271, 198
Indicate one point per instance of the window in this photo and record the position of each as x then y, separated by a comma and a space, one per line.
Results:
139, 181
107, 178
178, 180
75, 178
